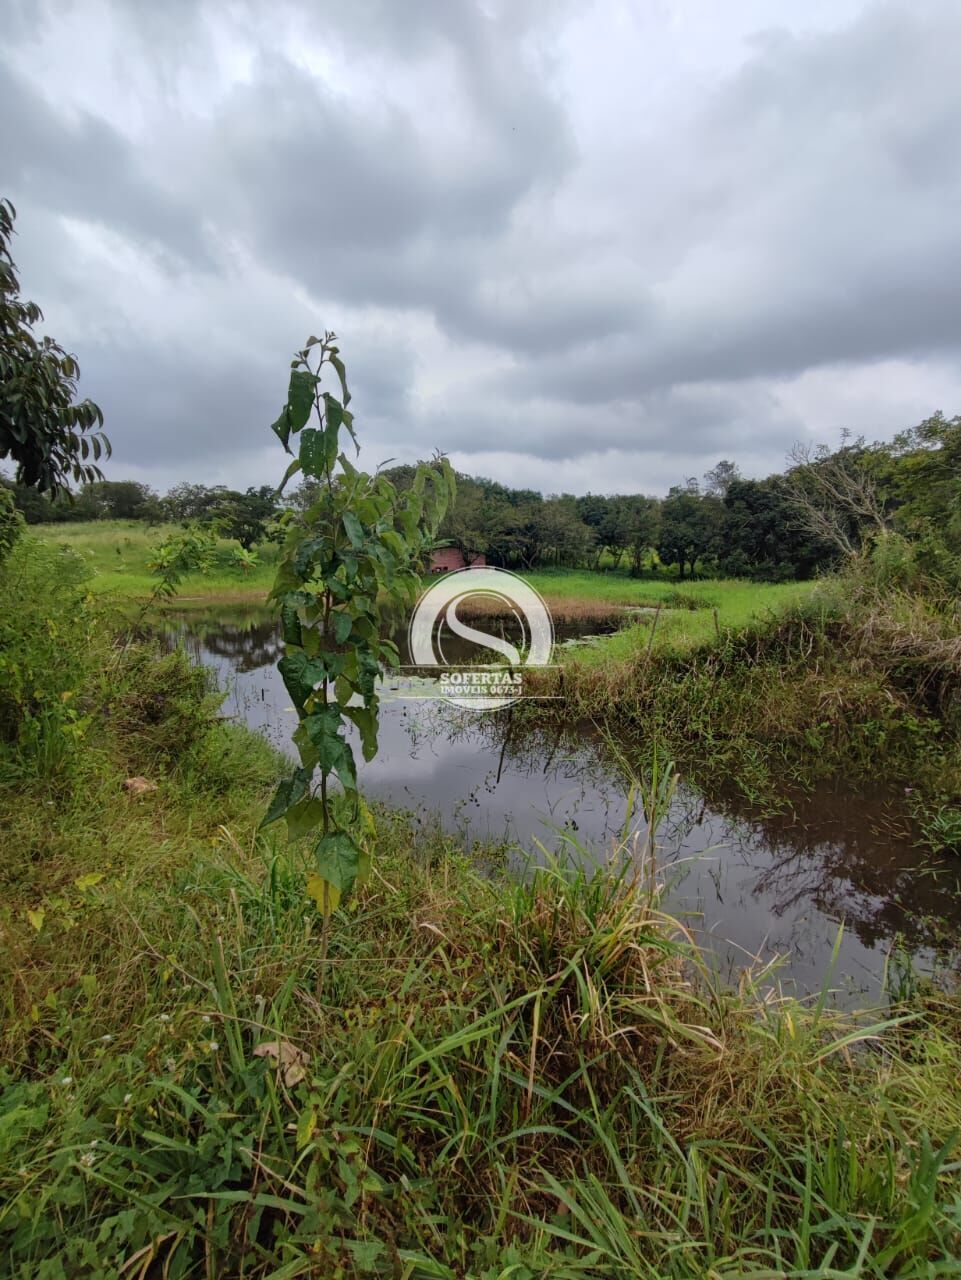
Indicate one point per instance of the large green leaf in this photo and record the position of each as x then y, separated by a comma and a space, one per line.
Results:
368, 670
305, 556
339, 862
354, 529
290, 624
291, 471
313, 457
304, 817
337, 416
300, 397
323, 728
333, 411
301, 675
338, 364
349, 424
281, 428
289, 792
331, 447
306, 749
365, 718
343, 624
295, 413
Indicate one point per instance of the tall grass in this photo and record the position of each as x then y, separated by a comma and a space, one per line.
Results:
117, 554
529, 1076
855, 678
687, 609
537, 1075
471, 1075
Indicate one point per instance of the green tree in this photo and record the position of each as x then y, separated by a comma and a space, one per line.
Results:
923, 479
606, 521
245, 516
763, 537
620, 524
719, 479
614, 528
11, 521
475, 523
644, 527
69, 508
48, 433
122, 500
304, 496
690, 527
191, 502
565, 538
521, 542
34, 506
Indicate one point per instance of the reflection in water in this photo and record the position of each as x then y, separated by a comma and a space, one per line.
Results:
748, 885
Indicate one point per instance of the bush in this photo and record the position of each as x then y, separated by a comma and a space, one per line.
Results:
11, 523
681, 600
46, 631
925, 566
161, 706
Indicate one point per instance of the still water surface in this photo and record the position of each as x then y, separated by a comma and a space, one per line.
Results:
749, 885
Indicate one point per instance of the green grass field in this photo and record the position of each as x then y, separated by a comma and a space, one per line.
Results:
118, 552
691, 613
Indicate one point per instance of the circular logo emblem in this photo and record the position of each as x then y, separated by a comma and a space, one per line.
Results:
440, 619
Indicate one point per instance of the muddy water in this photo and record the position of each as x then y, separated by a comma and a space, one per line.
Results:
749, 885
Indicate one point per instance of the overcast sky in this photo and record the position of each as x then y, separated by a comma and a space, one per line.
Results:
576, 246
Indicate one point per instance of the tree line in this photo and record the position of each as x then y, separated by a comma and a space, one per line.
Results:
244, 516
788, 526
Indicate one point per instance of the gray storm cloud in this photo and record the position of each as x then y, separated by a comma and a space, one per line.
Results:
528, 265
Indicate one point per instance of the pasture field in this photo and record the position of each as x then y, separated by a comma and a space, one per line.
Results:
118, 553
687, 609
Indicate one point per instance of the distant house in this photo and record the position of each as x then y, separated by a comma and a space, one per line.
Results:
447, 559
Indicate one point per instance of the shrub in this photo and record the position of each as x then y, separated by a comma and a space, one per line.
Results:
681, 600
46, 630
11, 523
161, 706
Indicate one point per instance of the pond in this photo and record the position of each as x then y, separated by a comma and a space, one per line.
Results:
748, 884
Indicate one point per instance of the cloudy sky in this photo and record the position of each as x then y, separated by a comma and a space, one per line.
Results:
576, 246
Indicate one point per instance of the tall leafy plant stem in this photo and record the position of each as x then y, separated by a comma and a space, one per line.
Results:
350, 563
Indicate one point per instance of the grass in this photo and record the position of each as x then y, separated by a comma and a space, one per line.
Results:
117, 553
691, 614
846, 677
485, 1077
534, 1076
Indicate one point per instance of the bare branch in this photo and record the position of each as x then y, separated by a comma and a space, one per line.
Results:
834, 495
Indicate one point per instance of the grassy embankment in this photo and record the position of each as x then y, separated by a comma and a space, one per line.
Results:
484, 1079
858, 676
